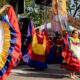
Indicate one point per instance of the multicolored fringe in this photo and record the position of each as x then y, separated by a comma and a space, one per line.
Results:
10, 54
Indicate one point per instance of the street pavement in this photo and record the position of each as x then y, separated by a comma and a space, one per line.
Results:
23, 72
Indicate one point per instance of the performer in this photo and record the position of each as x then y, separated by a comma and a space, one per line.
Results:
38, 48
71, 54
56, 49
10, 42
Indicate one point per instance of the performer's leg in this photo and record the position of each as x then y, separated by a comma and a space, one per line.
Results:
71, 75
74, 75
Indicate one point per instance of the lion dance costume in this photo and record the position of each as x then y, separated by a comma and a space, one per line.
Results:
10, 43
38, 48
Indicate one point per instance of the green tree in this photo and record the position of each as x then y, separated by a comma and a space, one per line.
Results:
73, 8
35, 12
31, 11
2, 3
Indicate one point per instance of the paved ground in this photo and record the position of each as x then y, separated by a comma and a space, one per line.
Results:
23, 72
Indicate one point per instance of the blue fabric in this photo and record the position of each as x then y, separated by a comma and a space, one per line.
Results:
63, 64
25, 52
28, 41
12, 41
33, 63
30, 28
45, 26
28, 36
52, 58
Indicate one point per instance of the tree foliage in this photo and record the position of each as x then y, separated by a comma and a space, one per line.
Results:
38, 13
35, 12
73, 7
2, 3
74, 22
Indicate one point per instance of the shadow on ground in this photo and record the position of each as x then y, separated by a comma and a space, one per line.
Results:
52, 72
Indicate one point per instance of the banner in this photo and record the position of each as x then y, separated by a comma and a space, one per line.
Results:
59, 16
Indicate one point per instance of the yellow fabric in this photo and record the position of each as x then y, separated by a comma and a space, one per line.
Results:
62, 7
76, 40
39, 49
6, 44
64, 61
58, 46
59, 7
57, 51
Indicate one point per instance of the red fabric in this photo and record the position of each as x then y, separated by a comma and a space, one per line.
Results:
59, 42
33, 32
72, 63
40, 38
47, 43
34, 56
30, 51
71, 68
7, 73
13, 21
51, 42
